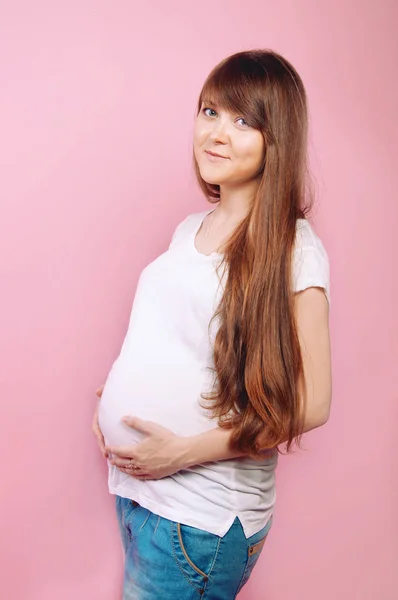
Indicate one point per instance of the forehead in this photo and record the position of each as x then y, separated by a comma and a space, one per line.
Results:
216, 103
221, 96
207, 100
225, 99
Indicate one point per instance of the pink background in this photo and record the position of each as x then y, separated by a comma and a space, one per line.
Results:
96, 111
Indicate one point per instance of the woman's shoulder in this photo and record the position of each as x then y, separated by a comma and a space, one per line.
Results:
308, 240
192, 220
310, 259
188, 225
306, 235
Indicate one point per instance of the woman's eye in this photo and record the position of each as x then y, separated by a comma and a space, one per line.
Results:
209, 112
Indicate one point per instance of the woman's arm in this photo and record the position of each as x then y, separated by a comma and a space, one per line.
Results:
312, 315
163, 453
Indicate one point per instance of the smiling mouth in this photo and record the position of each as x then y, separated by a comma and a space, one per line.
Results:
214, 154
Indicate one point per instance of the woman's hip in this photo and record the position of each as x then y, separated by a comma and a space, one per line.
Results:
168, 560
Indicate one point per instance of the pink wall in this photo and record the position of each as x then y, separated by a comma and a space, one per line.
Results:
96, 107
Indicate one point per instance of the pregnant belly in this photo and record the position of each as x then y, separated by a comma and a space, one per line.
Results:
112, 408
126, 393
171, 399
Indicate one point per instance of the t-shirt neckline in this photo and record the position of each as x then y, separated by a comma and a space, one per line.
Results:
193, 237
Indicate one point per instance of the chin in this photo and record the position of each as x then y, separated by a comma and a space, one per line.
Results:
210, 177
212, 181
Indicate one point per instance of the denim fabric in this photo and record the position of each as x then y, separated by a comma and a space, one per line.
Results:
165, 560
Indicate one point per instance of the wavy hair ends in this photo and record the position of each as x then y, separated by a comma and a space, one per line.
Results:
259, 390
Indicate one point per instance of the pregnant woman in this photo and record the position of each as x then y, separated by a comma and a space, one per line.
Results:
227, 353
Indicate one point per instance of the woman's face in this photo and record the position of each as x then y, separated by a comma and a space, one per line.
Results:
240, 147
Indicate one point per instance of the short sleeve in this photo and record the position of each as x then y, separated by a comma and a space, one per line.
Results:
310, 261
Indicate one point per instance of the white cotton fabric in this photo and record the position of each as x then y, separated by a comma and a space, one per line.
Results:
162, 370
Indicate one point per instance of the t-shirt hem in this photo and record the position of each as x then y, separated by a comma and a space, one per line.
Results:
173, 515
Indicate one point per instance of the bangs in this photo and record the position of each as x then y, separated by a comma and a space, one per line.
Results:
238, 87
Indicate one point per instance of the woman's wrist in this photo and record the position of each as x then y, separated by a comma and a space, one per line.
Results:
186, 452
211, 446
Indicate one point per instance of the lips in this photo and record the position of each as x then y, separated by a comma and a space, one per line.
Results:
215, 154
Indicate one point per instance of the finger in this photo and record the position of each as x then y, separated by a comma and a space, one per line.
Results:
126, 471
122, 451
99, 390
102, 448
136, 474
132, 472
147, 427
122, 462
100, 440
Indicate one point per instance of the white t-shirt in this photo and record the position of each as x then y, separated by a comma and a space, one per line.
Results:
162, 370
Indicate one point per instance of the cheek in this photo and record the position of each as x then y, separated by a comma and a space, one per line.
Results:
197, 147
251, 150
200, 141
197, 144
200, 133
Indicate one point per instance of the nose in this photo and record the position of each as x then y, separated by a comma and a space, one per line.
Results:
219, 131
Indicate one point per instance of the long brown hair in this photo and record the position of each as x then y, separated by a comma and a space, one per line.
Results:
259, 386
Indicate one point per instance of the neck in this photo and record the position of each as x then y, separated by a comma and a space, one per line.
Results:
235, 202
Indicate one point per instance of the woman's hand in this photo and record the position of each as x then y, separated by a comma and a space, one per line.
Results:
160, 454
95, 427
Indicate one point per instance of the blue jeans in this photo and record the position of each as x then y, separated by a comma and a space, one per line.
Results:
165, 560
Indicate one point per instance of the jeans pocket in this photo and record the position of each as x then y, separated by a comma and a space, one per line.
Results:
254, 550
195, 552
